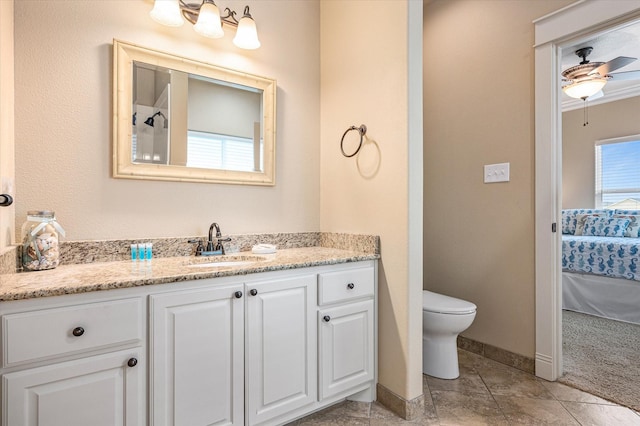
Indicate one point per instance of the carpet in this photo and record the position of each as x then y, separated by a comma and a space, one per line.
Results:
602, 357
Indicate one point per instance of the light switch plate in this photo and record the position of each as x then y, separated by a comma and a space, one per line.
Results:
496, 173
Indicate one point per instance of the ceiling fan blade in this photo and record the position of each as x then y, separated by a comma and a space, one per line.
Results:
625, 75
612, 65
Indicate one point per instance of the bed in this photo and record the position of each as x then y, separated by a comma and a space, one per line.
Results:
601, 273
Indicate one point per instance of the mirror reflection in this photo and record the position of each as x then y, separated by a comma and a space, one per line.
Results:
187, 120
217, 125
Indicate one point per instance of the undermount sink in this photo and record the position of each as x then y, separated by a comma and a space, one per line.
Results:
224, 261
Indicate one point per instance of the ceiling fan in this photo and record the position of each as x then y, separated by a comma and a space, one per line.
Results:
586, 80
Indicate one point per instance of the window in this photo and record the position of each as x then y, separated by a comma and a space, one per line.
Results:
212, 151
618, 172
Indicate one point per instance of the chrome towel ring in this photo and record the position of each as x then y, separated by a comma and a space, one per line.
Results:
362, 130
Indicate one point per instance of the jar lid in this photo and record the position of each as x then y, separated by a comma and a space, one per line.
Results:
40, 213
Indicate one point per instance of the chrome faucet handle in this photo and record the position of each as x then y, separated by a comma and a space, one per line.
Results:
199, 247
219, 241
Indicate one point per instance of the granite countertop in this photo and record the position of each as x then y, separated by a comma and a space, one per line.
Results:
80, 278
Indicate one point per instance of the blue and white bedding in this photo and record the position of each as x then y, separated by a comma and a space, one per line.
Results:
601, 242
608, 256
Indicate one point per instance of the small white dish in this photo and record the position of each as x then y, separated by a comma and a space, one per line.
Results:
263, 249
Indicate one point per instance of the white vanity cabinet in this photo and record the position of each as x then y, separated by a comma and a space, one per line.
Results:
73, 364
198, 341
281, 363
257, 349
197, 356
346, 330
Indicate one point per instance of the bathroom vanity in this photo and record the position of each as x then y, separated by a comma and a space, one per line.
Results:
256, 343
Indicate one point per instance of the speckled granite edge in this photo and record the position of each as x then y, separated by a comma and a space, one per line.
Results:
81, 278
91, 251
352, 242
9, 261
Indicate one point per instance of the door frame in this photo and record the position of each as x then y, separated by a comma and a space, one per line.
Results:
551, 31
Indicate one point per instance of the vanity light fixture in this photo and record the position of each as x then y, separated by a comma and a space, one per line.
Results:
207, 21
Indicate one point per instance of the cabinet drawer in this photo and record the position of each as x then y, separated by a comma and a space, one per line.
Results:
345, 285
36, 335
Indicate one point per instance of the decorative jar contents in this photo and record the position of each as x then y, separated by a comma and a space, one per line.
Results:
40, 241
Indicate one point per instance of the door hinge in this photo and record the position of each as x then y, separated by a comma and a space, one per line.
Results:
553, 227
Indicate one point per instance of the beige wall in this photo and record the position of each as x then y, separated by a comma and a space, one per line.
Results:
611, 120
6, 121
63, 133
478, 109
63, 129
367, 78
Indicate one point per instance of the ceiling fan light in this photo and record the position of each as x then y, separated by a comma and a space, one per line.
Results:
584, 88
209, 24
167, 12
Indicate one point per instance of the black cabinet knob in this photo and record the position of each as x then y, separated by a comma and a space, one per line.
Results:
78, 331
238, 294
132, 362
350, 286
253, 292
326, 318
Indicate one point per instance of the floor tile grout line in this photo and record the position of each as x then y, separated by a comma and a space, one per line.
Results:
567, 410
492, 395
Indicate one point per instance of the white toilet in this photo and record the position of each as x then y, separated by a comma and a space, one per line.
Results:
443, 318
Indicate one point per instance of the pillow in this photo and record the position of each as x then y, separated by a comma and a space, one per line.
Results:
631, 212
633, 230
580, 219
569, 218
605, 226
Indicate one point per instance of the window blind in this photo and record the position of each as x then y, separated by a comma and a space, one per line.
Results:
617, 172
213, 151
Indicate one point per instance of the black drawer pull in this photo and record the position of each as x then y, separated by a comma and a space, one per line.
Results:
78, 331
351, 286
326, 318
253, 292
238, 294
132, 362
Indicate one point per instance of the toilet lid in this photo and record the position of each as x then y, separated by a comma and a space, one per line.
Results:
439, 303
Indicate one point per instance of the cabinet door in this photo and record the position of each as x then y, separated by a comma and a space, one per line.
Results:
346, 347
197, 357
281, 347
99, 391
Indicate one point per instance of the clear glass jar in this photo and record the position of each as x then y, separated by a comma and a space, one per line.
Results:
40, 241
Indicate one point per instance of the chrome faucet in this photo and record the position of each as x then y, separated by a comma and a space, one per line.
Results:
215, 248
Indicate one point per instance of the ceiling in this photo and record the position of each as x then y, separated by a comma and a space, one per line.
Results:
623, 41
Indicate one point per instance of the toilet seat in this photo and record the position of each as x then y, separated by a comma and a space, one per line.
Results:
441, 304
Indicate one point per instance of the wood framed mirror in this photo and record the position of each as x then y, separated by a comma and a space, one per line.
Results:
178, 119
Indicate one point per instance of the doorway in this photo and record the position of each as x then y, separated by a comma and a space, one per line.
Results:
552, 32
600, 342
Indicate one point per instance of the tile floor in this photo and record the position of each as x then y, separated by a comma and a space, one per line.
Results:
487, 393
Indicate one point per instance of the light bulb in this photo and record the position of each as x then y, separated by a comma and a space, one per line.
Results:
167, 12
582, 89
209, 24
247, 34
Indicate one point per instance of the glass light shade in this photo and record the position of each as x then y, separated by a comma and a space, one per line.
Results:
585, 88
167, 12
209, 24
247, 34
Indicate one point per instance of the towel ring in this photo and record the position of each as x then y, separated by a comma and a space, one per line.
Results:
362, 130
